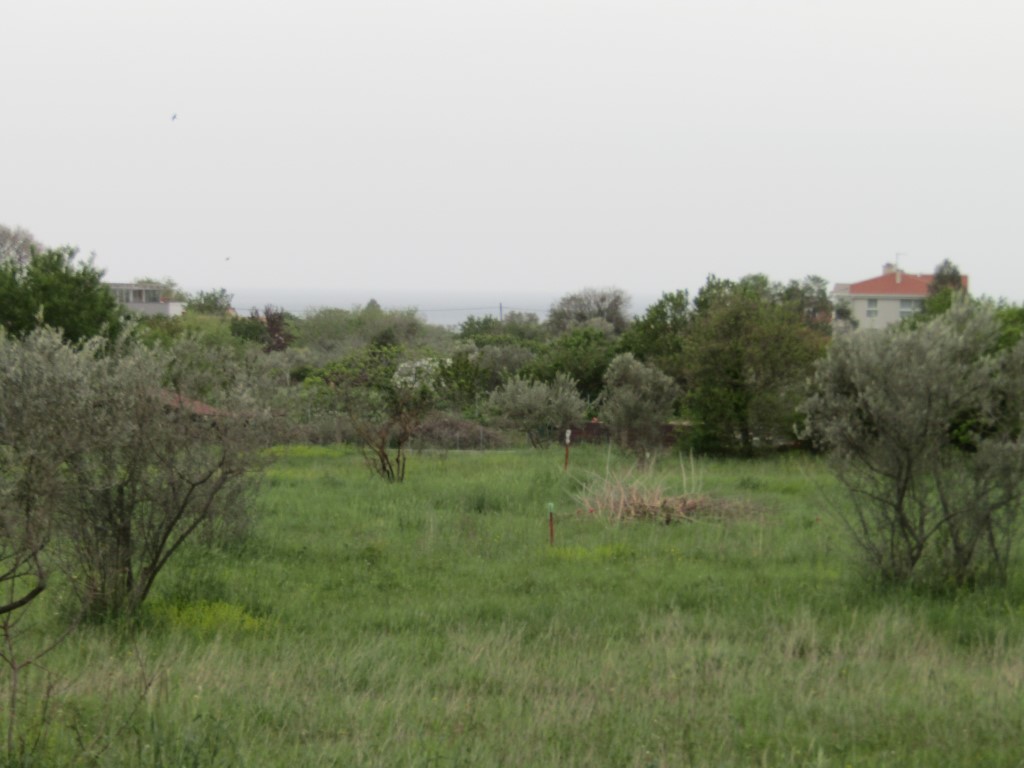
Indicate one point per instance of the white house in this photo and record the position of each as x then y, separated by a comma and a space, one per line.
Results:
145, 299
881, 301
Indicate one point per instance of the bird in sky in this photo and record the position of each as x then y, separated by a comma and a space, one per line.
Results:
174, 117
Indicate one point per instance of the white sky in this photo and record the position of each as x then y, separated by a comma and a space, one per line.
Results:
505, 148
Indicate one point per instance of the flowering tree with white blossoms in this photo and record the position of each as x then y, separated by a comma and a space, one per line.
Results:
384, 400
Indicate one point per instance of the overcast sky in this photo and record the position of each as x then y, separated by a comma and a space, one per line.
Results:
490, 150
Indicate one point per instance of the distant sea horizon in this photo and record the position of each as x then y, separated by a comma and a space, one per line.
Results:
444, 308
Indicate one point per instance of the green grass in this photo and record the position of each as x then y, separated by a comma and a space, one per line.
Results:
432, 624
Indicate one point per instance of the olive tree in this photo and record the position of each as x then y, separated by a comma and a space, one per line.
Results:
18, 245
42, 382
24, 533
609, 305
115, 464
539, 408
923, 429
637, 402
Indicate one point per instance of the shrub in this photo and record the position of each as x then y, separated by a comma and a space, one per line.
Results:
384, 400
538, 408
637, 402
114, 460
923, 428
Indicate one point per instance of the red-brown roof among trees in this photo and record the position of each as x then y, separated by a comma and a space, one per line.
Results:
180, 402
895, 284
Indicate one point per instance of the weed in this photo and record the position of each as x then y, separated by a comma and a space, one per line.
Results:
640, 493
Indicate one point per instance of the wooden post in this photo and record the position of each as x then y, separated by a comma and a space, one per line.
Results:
568, 438
551, 524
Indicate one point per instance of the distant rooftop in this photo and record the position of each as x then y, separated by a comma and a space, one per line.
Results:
892, 282
145, 299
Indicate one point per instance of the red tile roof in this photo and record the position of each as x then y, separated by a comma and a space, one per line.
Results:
893, 284
195, 407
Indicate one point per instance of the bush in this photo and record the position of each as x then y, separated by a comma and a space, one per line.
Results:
41, 385
538, 408
923, 428
384, 400
116, 461
637, 402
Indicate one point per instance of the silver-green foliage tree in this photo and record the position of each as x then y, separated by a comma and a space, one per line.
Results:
42, 385
609, 306
18, 245
114, 467
541, 409
637, 403
923, 429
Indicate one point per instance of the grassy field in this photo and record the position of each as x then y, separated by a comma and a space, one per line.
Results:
432, 624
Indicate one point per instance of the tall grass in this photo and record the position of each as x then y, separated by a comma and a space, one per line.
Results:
431, 623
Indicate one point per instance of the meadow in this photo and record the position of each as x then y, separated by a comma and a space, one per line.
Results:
432, 623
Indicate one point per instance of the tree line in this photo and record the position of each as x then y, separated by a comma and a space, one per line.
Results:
734, 355
742, 365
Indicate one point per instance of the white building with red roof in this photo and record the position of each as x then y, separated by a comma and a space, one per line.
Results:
881, 301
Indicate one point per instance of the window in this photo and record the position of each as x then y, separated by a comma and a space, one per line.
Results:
909, 307
872, 307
